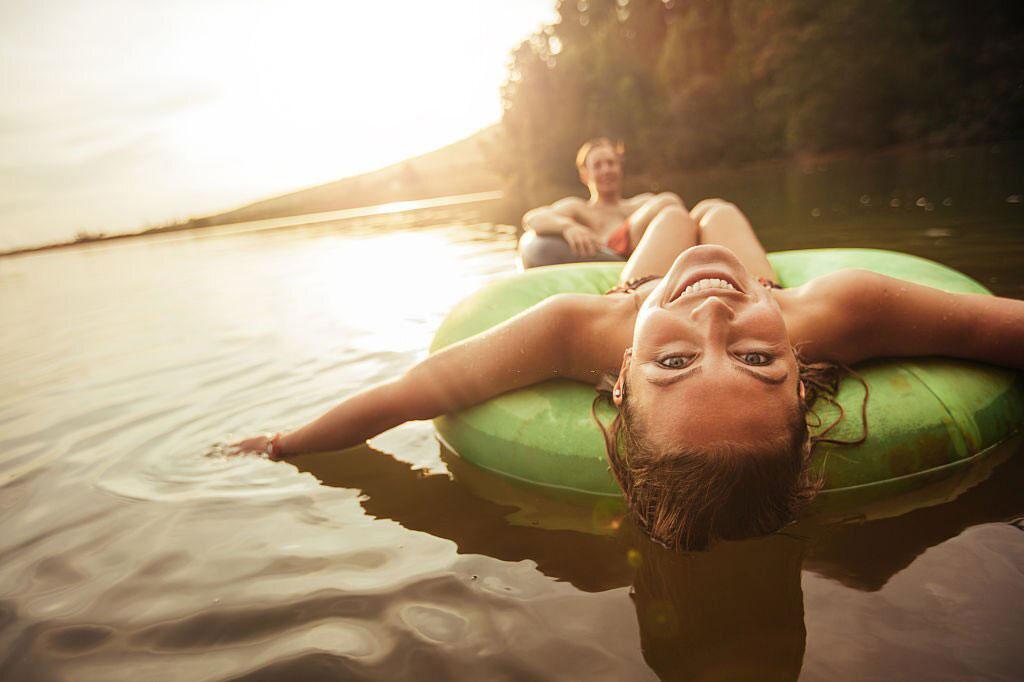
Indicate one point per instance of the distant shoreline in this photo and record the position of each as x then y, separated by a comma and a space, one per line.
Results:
428, 171
273, 223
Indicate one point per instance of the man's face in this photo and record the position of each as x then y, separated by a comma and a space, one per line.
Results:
602, 172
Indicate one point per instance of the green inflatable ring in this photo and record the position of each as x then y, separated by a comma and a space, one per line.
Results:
929, 417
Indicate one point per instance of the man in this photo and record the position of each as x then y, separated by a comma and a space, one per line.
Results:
607, 227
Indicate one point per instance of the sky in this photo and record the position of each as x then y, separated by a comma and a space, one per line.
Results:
118, 114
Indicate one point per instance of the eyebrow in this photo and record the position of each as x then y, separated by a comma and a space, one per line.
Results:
763, 378
675, 378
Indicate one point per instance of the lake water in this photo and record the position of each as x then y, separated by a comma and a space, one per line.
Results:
128, 552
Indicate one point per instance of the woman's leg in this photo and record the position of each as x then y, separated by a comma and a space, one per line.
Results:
671, 232
642, 217
703, 206
722, 223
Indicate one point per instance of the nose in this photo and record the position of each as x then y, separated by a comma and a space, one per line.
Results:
712, 308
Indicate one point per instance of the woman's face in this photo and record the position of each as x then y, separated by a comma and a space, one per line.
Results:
711, 360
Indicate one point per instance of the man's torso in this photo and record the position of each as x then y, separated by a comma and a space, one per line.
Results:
604, 218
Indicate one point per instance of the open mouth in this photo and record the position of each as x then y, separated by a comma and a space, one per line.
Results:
706, 283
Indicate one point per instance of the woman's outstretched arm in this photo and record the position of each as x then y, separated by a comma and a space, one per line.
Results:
530, 347
880, 316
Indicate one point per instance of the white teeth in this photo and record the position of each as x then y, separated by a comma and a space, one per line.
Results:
709, 283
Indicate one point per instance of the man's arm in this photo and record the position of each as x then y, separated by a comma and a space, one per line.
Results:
567, 219
872, 315
524, 350
557, 217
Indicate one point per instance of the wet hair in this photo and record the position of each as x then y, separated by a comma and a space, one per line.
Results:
691, 497
592, 144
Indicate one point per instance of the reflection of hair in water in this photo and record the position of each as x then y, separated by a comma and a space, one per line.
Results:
689, 498
732, 613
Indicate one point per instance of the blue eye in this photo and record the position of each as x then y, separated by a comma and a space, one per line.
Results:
756, 358
675, 362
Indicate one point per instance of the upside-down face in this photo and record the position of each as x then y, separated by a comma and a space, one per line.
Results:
711, 361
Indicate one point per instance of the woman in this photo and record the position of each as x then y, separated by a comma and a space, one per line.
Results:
716, 370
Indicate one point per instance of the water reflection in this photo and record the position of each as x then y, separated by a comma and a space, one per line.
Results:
865, 556
734, 612
444, 506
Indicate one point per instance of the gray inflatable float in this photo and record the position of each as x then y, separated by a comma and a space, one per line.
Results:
536, 250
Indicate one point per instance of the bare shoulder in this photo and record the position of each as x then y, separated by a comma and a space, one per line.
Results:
569, 206
842, 285
825, 316
590, 314
855, 315
596, 330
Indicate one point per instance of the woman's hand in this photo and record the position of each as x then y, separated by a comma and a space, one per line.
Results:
260, 444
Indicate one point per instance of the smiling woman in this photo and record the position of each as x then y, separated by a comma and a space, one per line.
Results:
711, 440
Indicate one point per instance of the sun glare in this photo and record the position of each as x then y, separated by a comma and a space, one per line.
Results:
141, 113
392, 288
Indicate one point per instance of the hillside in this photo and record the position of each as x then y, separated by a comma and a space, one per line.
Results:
459, 168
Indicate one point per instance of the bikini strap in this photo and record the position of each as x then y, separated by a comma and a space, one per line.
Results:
632, 285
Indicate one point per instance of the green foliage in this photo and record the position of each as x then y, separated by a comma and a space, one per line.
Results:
701, 82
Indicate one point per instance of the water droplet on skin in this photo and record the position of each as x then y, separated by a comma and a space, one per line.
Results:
922, 201
816, 212
948, 201
865, 200
1014, 199
895, 203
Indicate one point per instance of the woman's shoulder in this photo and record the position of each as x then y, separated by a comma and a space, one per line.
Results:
584, 311
590, 312
825, 314
597, 328
841, 285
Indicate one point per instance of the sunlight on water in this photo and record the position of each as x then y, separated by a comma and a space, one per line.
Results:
392, 287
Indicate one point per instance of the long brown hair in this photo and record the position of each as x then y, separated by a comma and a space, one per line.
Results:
688, 498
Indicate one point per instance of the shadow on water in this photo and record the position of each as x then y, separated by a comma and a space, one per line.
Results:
734, 612
446, 506
866, 555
